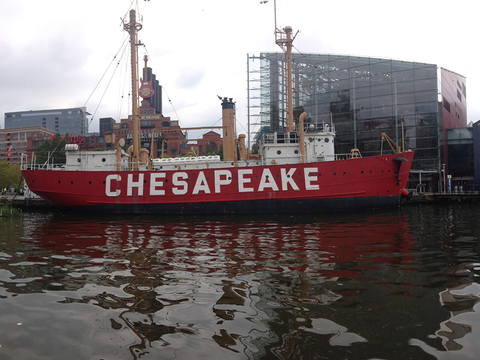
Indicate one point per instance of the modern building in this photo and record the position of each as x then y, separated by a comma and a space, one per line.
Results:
14, 142
413, 103
72, 121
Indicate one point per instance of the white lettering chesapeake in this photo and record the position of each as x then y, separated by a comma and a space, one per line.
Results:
267, 181
178, 180
108, 185
242, 180
155, 183
219, 181
201, 184
135, 184
287, 178
309, 179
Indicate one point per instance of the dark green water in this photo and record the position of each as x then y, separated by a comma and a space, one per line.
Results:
399, 284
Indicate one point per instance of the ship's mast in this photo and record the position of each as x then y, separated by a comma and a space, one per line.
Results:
284, 39
132, 27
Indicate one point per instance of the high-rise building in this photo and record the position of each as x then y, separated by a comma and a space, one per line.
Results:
71, 121
413, 103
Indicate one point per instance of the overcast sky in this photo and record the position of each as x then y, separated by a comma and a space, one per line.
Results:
55, 52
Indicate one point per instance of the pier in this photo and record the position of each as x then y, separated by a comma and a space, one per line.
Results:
25, 203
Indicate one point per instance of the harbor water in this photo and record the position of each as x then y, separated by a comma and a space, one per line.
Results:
395, 284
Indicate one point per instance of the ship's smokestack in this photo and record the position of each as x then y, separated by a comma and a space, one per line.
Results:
228, 117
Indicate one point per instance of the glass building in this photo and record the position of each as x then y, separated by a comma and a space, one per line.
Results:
364, 97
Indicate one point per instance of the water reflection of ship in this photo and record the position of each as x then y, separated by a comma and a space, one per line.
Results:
241, 268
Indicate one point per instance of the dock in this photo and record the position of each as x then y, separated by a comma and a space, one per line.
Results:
25, 203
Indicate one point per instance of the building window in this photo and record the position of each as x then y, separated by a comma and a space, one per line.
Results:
446, 104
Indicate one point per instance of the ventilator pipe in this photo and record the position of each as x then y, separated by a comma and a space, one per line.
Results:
241, 146
119, 157
129, 152
144, 156
301, 130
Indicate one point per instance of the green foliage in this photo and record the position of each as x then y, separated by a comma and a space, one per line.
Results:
210, 152
99, 149
56, 148
8, 210
10, 174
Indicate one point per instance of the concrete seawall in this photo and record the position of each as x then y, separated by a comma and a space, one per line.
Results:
439, 198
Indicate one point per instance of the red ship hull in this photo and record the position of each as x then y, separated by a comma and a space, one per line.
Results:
346, 185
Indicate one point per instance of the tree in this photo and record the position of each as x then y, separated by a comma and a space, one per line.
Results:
10, 174
55, 147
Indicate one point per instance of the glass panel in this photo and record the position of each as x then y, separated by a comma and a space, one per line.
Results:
405, 98
339, 75
341, 85
402, 76
426, 107
338, 62
404, 87
425, 96
426, 73
401, 65
383, 111
381, 90
362, 92
407, 109
429, 84
355, 62
381, 100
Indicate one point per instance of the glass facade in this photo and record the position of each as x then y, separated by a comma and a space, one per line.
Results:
362, 96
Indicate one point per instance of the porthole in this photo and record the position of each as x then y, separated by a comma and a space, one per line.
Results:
370, 171
229, 178
79, 160
103, 159
327, 140
296, 152
90, 183
334, 174
71, 182
344, 173
59, 181
319, 174
319, 139
279, 152
361, 172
